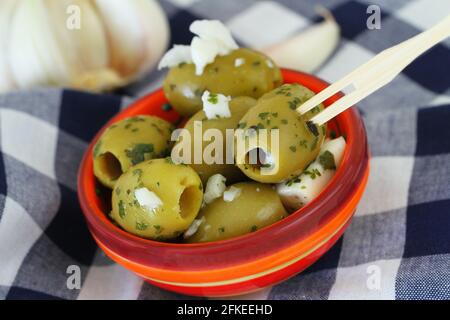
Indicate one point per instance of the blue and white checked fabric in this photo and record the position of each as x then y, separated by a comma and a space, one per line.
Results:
401, 231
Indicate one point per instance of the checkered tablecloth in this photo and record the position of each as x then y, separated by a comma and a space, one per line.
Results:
399, 236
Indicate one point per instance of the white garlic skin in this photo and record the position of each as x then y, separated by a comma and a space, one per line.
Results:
116, 42
309, 49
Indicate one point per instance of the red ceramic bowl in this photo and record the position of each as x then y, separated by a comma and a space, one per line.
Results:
246, 263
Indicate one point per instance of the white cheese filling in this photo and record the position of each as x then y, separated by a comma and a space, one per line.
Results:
301, 190
193, 228
215, 105
214, 187
239, 62
231, 194
147, 199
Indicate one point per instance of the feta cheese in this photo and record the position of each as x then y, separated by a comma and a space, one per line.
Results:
178, 54
216, 105
298, 191
193, 228
212, 39
231, 194
147, 199
216, 32
239, 62
203, 53
269, 64
214, 187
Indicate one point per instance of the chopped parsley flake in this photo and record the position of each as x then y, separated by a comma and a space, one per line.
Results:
221, 229
303, 143
158, 228
293, 148
137, 154
241, 125
313, 173
284, 90
254, 228
290, 182
326, 159
263, 115
121, 209
97, 147
315, 110
135, 119
213, 98
141, 225
294, 103
166, 107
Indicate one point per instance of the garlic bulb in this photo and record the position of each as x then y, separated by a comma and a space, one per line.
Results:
116, 42
309, 49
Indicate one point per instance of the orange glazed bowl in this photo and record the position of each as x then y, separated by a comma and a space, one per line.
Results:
250, 262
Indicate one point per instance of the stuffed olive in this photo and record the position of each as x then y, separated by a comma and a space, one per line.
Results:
270, 158
157, 199
243, 72
129, 142
238, 107
245, 207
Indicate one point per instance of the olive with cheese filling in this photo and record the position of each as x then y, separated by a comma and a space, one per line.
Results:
242, 72
157, 199
129, 142
237, 107
298, 142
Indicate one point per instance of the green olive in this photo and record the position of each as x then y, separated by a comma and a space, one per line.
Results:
128, 142
298, 143
256, 75
178, 188
257, 206
238, 107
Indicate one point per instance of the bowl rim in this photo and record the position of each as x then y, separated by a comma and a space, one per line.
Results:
246, 248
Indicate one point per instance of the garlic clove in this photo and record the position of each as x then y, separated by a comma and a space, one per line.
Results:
98, 80
85, 49
155, 27
34, 53
126, 24
308, 50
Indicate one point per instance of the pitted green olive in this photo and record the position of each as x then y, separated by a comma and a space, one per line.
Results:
157, 199
250, 207
243, 72
128, 142
238, 107
271, 159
